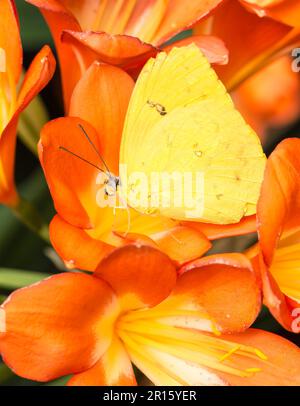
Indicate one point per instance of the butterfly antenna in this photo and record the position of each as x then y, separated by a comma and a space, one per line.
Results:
94, 148
81, 158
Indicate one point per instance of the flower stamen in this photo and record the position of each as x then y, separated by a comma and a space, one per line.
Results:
149, 335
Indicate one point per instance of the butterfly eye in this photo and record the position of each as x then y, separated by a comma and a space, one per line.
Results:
111, 185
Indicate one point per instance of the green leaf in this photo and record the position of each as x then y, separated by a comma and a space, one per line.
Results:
16, 278
5, 373
19, 247
34, 30
180, 36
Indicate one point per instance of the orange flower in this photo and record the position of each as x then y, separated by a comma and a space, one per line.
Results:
252, 39
278, 217
124, 33
134, 309
270, 98
93, 230
12, 102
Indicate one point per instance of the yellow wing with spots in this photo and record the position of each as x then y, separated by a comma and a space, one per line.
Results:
186, 152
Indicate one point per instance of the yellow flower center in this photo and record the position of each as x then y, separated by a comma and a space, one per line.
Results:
151, 339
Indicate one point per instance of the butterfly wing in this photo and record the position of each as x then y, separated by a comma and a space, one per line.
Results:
186, 152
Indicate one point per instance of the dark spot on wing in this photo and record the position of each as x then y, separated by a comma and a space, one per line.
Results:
158, 107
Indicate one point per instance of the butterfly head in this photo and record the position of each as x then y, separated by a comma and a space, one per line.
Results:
111, 184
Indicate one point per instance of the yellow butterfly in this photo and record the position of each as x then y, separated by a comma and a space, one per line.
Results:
186, 152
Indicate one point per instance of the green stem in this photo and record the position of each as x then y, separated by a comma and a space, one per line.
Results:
29, 216
27, 134
31, 121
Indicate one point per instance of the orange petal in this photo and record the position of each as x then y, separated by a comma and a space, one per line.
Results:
37, 77
10, 39
59, 326
59, 18
113, 87
82, 10
124, 51
146, 19
78, 250
279, 203
72, 182
113, 369
215, 231
83, 250
282, 367
225, 286
212, 47
249, 37
278, 303
8, 193
112, 17
180, 15
140, 275
278, 215
182, 244
287, 12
